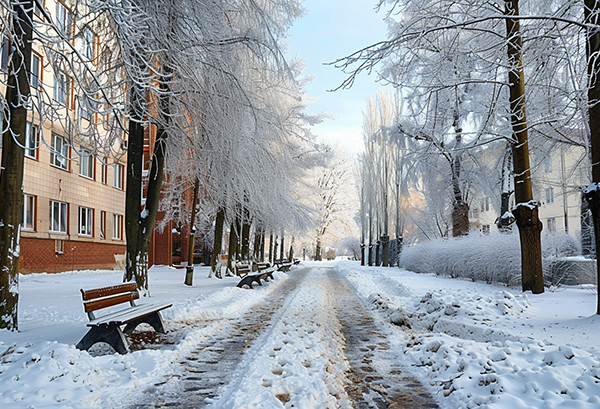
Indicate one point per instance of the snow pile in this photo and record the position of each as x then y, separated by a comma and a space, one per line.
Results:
494, 258
474, 345
51, 374
511, 374
41, 368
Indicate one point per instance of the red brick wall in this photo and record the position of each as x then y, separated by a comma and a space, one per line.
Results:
38, 255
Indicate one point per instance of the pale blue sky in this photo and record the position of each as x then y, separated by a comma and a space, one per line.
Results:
332, 29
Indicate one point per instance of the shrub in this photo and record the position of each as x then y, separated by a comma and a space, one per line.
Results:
494, 258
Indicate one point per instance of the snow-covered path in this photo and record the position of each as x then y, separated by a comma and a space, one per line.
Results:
310, 344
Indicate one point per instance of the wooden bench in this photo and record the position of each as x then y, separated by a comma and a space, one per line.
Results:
242, 269
107, 328
284, 266
249, 279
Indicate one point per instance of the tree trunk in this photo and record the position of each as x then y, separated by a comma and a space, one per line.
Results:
275, 249
13, 159
385, 250
139, 223
505, 220
245, 242
271, 257
218, 242
189, 271
233, 245
282, 248
318, 249
460, 209
291, 252
526, 212
592, 194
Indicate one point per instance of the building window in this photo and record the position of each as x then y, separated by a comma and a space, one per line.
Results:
64, 19
104, 170
548, 164
59, 246
4, 53
29, 212
31, 140
117, 227
58, 217
549, 195
85, 111
103, 224
118, 176
89, 44
86, 163
35, 70
62, 88
86, 221
59, 155
551, 223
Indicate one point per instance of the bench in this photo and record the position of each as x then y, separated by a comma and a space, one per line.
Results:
242, 269
107, 328
284, 266
249, 279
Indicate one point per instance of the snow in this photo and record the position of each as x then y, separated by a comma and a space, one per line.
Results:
472, 344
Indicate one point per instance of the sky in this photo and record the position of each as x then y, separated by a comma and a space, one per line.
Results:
329, 30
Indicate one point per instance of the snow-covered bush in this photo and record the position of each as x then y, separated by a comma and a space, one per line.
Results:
494, 258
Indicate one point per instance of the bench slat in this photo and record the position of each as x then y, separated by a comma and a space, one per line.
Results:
94, 305
129, 314
106, 291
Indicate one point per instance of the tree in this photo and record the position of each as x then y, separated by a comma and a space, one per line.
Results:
14, 120
449, 59
592, 193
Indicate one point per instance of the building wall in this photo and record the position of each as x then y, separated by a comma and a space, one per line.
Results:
44, 250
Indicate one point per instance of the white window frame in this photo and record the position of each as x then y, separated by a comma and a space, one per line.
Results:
103, 224
31, 140
86, 163
34, 70
64, 19
62, 88
118, 176
59, 155
104, 170
551, 222
549, 195
28, 212
89, 43
59, 212
548, 164
86, 221
117, 226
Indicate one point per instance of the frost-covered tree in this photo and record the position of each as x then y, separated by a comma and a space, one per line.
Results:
464, 64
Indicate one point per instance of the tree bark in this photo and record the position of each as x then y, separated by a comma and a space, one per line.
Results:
189, 271
385, 250
282, 248
271, 256
218, 242
318, 249
13, 159
592, 194
526, 211
245, 242
139, 223
233, 245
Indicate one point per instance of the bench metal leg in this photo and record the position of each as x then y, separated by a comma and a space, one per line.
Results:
154, 320
111, 334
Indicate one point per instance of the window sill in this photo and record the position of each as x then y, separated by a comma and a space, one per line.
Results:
58, 167
87, 177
